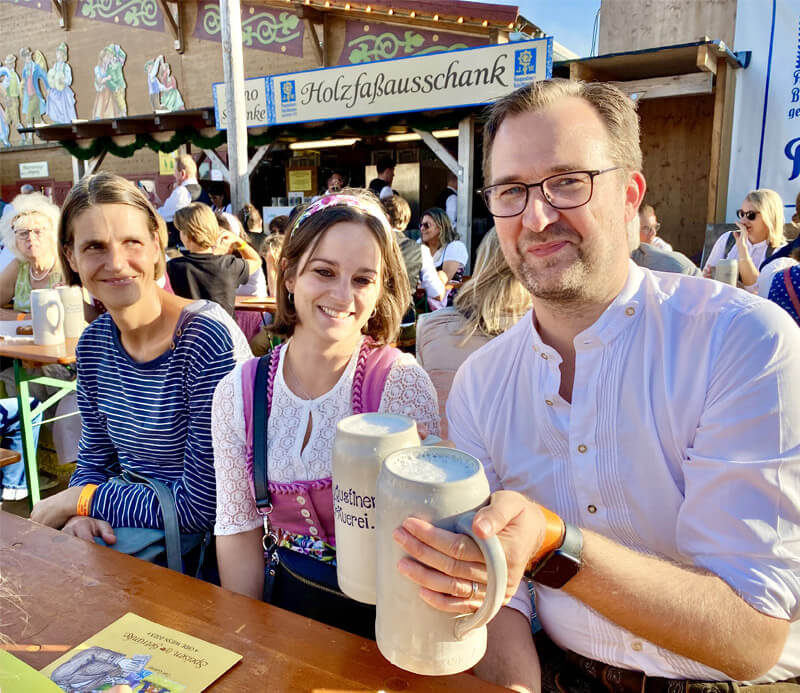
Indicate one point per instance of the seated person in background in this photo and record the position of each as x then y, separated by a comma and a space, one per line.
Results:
646, 255
256, 285
490, 302
12, 476
784, 287
251, 221
341, 292
759, 235
416, 256
148, 369
381, 185
278, 224
31, 235
649, 228
782, 255
201, 273
450, 255
271, 252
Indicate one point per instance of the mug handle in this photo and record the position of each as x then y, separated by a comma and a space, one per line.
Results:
60, 306
497, 570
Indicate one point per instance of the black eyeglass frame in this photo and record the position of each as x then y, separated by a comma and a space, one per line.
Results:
592, 173
750, 214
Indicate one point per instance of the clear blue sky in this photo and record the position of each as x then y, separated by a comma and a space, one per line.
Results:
570, 22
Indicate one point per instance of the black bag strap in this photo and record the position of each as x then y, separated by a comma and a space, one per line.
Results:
169, 516
729, 243
260, 421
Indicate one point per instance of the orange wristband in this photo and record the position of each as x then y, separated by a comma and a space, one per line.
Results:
554, 530
85, 499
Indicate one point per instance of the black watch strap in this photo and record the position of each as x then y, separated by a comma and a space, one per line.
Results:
561, 565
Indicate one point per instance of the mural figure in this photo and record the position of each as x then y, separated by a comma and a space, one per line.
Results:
61, 98
34, 101
13, 91
109, 83
4, 80
163, 88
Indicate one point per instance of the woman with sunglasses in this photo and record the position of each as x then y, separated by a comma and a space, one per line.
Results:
31, 235
450, 255
342, 290
759, 234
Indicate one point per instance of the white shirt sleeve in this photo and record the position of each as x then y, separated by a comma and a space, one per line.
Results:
456, 251
451, 207
429, 277
179, 197
766, 275
386, 192
410, 392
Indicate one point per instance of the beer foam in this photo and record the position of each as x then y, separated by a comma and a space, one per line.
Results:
375, 424
430, 465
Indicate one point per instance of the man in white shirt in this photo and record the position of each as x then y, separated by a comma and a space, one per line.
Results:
643, 427
649, 228
185, 186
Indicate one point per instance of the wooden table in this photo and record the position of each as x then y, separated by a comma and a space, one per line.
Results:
70, 589
26, 356
260, 305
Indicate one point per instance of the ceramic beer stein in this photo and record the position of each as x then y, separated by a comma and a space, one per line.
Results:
48, 317
72, 300
727, 271
361, 443
444, 487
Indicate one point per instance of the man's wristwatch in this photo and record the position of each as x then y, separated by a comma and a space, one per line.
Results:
558, 559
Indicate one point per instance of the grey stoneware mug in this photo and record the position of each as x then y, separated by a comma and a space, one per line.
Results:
445, 487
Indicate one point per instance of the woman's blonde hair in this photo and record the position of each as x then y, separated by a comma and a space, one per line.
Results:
447, 234
769, 204
493, 299
108, 189
199, 223
27, 205
304, 237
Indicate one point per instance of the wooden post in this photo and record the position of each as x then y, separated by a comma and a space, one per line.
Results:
233, 70
466, 159
716, 178
78, 170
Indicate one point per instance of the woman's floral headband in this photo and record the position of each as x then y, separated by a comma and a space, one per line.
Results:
339, 200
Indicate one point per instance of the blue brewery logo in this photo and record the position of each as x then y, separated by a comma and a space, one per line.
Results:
287, 92
524, 66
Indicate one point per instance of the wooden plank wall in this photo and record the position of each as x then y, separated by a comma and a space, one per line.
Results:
676, 144
630, 26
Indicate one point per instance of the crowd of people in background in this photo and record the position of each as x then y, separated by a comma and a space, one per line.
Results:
166, 374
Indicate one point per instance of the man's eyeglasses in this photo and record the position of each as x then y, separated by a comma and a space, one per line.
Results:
25, 234
750, 216
655, 228
561, 191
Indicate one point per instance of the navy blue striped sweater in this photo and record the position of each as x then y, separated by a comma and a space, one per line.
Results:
153, 418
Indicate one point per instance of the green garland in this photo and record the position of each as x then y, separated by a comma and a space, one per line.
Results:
354, 127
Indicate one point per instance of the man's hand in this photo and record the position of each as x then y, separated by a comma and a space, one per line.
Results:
446, 564
87, 528
56, 510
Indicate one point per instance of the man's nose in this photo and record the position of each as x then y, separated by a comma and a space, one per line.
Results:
538, 213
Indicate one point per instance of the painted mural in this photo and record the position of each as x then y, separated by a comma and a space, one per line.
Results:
275, 31
109, 84
10, 91
139, 14
162, 86
61, 98
374, 41
34, 89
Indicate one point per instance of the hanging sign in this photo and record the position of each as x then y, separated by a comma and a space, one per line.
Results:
421, 83
33, 169
166, 163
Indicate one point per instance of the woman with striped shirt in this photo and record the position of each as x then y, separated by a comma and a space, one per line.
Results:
147, 370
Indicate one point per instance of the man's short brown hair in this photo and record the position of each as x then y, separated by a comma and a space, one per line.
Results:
199, 223
616, 110
398, 211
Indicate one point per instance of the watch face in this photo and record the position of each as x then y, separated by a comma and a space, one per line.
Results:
560, 566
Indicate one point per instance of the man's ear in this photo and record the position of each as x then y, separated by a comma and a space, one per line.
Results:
635, 189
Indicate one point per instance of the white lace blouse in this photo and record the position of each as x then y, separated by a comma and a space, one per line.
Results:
408, 391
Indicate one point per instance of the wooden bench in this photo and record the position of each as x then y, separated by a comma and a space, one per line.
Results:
8, 457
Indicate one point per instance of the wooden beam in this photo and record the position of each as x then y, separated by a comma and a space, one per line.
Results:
261, 152
312, 30
663, 87
173, 23
93, 165
580, 71
226, 174
716, 177
441, 153
466, 159
60, 6
706, 59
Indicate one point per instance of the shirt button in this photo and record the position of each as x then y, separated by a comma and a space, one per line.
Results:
592, 509
305, 513
544, 356
582, 448
309, 521
630, 310
301, 500
636, 646
313, 531
549, 402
